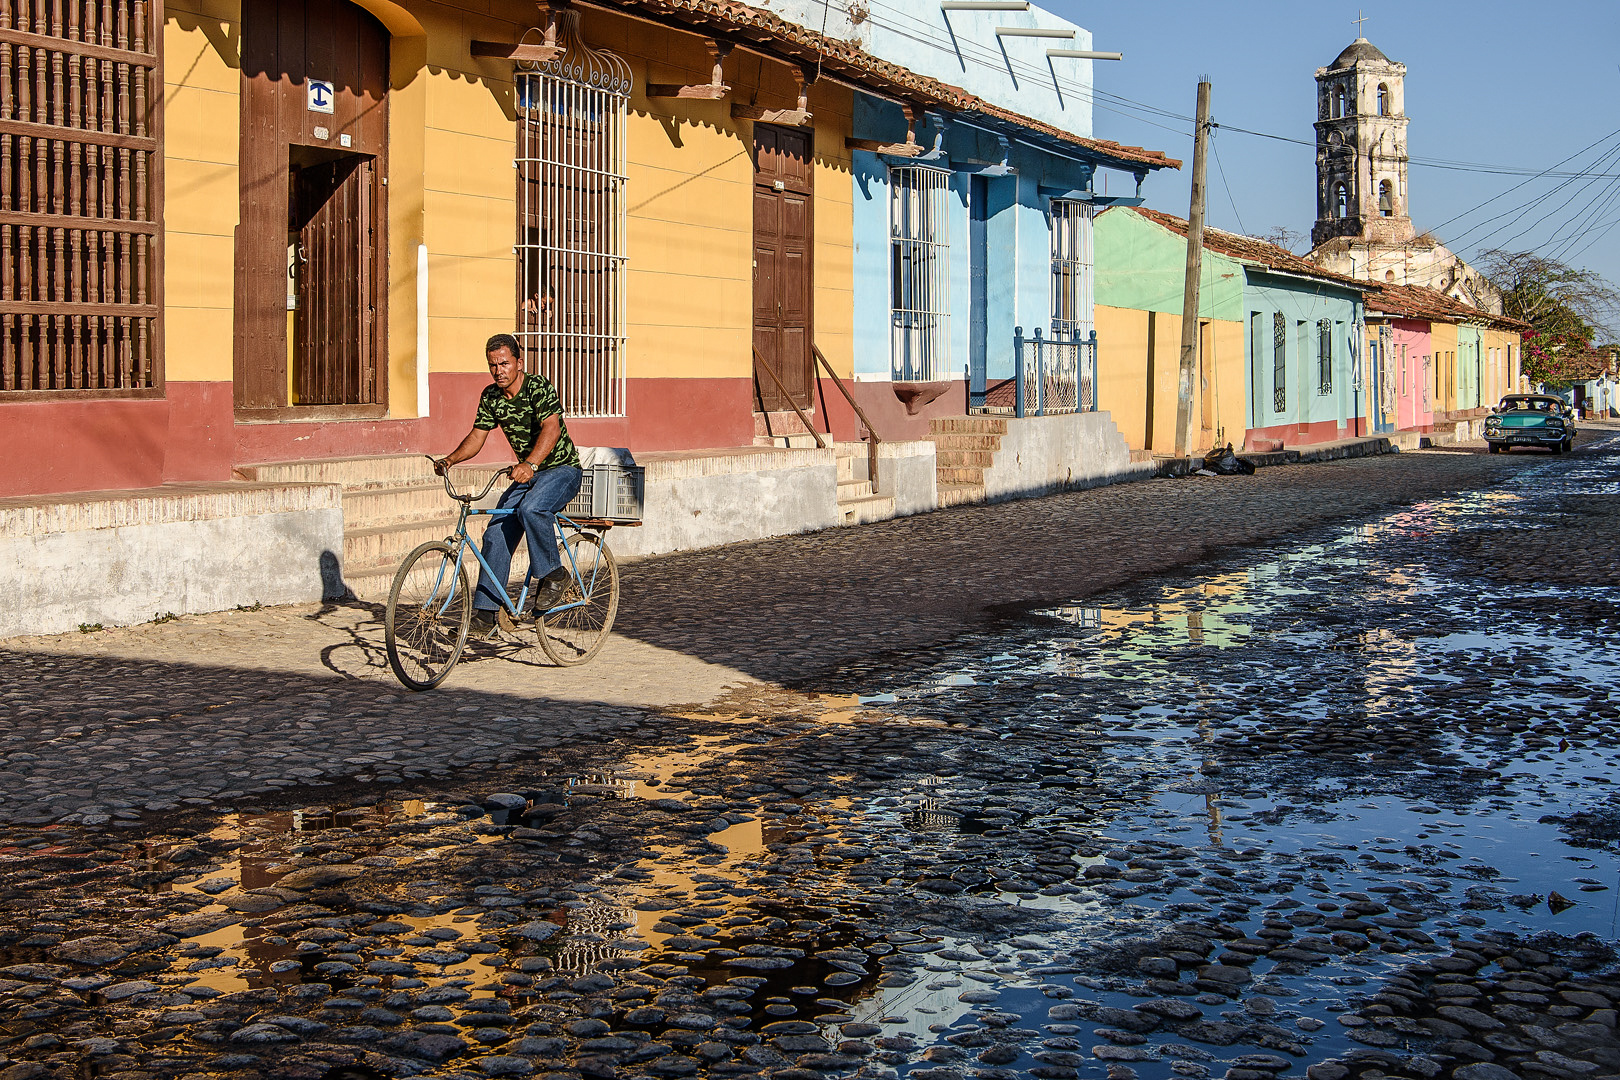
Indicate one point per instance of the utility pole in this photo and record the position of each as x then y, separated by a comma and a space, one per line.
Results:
1195, 265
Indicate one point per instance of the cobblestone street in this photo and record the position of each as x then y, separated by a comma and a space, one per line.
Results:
1307, 772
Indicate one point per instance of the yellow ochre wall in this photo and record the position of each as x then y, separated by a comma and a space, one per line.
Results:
1503, 377
1443, 340
1124, 364
690, 204
202, 89
451, 186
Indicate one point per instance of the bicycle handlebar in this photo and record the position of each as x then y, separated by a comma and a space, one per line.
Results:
451, 491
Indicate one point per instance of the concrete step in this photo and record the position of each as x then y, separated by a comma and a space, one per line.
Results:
960, 494
968, 425
851, 490
959, 475
977, 459
853, 461
960, 441
365, 508
364, 473
787, 442
372, 579
786, 422
1139, 456
383, 544
392, 470
870, 508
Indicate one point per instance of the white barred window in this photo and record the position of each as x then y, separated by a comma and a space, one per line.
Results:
919, 273
571, 223
1072, 267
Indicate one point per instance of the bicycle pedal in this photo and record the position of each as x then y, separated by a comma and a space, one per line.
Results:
503, 620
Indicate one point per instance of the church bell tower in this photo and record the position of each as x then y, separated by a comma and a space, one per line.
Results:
1361, 148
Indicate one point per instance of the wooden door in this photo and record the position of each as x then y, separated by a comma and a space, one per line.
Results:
782, 265
291, 48
335, 291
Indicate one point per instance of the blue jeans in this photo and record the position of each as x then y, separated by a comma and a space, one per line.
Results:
536, 504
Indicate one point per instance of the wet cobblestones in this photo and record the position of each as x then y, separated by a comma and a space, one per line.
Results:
1309, 808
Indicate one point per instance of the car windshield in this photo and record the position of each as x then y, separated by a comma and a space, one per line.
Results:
1534, 404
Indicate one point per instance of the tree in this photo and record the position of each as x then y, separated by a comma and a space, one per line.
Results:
1559, 300
1566, 307
1283, 237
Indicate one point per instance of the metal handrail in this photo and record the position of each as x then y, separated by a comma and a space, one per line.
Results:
803, 419
872, 443
1030, 372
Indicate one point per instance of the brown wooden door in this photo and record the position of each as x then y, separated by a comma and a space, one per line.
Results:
332, 355
782, 264
313, 178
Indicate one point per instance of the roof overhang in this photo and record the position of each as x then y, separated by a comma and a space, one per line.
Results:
767, 34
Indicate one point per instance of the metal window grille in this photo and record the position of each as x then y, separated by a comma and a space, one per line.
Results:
1324, 356
1426, 380
1072, 268
919, 279
1279, 362
571, 223
81, 191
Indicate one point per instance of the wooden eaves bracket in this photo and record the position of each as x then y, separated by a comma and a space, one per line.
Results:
910, 148
798, 116
713, 90
543, 53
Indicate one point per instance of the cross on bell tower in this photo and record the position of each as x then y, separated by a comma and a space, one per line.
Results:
1361, 159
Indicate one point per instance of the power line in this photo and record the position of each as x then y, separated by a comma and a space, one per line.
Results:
1222, 170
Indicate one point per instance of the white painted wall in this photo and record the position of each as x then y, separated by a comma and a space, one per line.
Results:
120, 558
961, 48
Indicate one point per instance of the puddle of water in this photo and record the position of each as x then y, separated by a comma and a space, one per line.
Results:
1250, 745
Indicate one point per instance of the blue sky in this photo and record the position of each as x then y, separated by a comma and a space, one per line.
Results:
1487, 82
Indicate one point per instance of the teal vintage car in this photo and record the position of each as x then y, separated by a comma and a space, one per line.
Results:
1530, 420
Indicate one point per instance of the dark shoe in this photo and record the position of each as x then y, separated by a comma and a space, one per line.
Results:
550, 590
483, 625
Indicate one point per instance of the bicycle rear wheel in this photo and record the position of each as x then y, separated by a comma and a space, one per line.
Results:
575, 633
429, 611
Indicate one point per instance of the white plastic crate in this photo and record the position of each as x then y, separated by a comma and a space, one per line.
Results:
610, 492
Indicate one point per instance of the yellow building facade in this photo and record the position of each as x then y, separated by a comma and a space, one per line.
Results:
436, 124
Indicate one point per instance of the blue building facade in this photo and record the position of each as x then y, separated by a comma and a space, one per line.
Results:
983, 227
1304, 379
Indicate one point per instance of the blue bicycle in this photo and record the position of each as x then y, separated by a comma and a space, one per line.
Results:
431, 604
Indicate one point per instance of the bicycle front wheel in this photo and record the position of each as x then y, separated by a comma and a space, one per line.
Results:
573, 631
429, 611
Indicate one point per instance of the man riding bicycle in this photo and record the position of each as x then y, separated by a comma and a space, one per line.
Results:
546, 477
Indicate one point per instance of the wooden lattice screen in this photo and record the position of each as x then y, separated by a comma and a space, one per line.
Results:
81, 197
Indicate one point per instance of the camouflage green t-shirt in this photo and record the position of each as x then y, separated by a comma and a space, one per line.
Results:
520, 417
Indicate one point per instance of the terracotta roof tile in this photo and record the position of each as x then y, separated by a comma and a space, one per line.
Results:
1417, 302
739, 21
1250, 250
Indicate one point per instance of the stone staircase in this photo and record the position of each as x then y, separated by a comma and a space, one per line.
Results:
857, 502
390, 505
964, 446
784, 430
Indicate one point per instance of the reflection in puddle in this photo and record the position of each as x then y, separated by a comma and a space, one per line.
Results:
1245, 797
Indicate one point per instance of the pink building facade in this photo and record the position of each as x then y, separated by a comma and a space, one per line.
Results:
1412, 373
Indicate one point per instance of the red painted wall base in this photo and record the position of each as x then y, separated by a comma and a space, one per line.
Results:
1306, 434
56, 447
